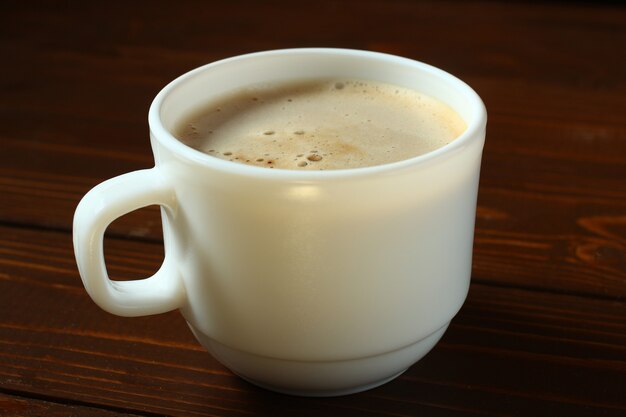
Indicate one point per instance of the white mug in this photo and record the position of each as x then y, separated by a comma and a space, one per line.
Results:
305, 282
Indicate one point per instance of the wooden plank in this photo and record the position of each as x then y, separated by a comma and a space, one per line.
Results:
545, 33
508, 352
15, 406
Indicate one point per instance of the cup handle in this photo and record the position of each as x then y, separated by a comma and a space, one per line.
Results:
162, 292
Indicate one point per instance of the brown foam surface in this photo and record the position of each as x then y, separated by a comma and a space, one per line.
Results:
320, 124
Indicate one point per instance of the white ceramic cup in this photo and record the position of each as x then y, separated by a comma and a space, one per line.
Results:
305, 282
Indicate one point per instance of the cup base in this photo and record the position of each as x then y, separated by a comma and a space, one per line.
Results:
322, 393
320, 378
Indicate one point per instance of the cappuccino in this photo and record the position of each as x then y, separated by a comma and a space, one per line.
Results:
320, 124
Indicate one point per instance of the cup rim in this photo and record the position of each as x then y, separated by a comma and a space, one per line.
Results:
167, 139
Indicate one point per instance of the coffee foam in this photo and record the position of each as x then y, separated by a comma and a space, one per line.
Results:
321, 124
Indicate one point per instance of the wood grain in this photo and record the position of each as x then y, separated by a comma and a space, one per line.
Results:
13, 406
520, 352
543, 332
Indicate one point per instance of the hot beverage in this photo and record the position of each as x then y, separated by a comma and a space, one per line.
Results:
320, 124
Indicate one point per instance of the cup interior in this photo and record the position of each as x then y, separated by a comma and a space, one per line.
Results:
197, 87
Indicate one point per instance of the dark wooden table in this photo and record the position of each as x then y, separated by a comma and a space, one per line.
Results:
543, 331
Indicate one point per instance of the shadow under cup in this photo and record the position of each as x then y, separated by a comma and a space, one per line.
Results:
318, 282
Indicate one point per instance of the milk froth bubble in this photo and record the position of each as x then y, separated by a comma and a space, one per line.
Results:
320, 124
